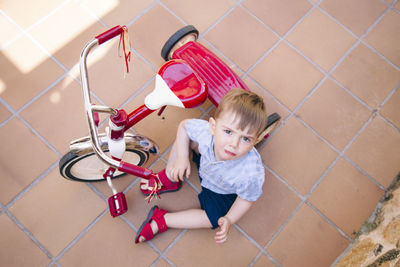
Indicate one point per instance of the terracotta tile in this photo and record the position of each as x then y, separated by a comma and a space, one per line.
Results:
263, 261
68, 36
112, 239
307, 240
376, 151
279, 15
367, 75
106, 74
297, 155
24, 59
357, 15
53, 116
56, 210
385, 36
391, 109
37, 11
161, 129
290, 83
199, 247
14, 242
148, 35
334, 114
201, 14
225, 37
270, 102
321, 39
346, 197
162, 263
185, 198
20, 161
4, 113
8, 31
119, 12
267, 215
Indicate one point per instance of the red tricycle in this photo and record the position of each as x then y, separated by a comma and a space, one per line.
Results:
191, 74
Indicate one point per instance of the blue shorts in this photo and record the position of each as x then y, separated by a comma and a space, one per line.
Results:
215, 205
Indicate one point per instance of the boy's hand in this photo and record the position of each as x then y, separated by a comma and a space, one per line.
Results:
222, 235
179, 170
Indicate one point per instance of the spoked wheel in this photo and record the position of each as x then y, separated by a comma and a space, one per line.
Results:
178, 39
89, 168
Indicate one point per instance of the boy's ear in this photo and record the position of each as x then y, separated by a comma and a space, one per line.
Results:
212, 125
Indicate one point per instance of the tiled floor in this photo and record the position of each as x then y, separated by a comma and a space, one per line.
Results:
330, 68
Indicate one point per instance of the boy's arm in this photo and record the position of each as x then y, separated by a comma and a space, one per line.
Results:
238, 209
178, 162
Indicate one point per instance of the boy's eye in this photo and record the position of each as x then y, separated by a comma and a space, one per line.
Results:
246, 139
227, 131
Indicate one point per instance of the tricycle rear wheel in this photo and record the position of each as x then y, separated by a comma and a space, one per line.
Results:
178, 39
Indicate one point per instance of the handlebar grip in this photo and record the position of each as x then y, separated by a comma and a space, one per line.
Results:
135, 170
109, 34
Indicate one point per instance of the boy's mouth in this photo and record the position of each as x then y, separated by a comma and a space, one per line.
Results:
230, 153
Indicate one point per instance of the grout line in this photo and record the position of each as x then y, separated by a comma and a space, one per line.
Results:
389, 96
51, 13
44, 91
39, 45
142, 13
283, 225
31, 185
342, 255
280, 38
80, 235
31, 236
328, 221
22, 30
137, 92
10, 109
52, 263
145, 60
92, 14
96, 191
172, 13
291, 188
262, 250
38, 135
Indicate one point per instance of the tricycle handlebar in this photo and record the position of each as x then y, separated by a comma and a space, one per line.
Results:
109, 34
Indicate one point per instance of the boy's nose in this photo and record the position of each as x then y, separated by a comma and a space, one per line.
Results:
235, 142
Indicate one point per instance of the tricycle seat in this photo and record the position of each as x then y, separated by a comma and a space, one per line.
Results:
177, 85
214, 72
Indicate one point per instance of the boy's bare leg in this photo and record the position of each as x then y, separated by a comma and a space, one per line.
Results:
187, 219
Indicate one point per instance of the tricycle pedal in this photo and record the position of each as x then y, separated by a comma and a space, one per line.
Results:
117, 204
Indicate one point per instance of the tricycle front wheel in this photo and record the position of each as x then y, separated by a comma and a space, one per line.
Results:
178, 39
89, 168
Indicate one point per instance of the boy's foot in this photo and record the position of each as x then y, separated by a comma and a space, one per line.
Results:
154, 223
159, 184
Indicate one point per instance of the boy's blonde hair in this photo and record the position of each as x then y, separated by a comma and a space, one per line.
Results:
248, 107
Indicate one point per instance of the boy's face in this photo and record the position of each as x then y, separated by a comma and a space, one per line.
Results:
229, 141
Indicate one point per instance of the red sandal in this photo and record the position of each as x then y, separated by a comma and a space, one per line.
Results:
157, 215
159, 184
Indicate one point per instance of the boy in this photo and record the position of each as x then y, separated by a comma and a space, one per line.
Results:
231, 170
